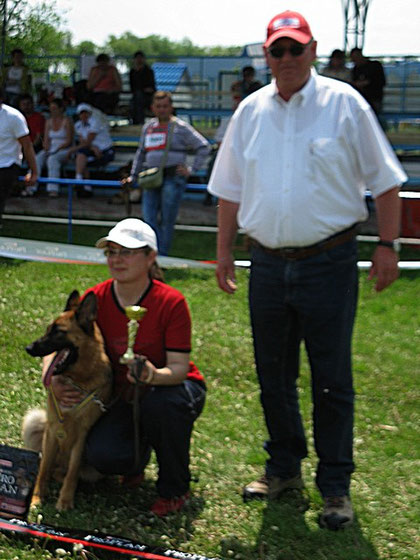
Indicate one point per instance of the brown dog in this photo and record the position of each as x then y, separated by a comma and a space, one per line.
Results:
81, 359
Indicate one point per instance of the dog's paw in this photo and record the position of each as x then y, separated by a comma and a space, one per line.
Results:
36, 501
64, 504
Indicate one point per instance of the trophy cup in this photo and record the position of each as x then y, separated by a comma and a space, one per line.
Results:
135, 313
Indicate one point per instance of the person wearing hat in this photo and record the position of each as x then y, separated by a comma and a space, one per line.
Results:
176, 388
292, 172
94, 146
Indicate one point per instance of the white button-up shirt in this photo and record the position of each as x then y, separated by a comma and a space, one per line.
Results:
299, 169
102, 140
12, 127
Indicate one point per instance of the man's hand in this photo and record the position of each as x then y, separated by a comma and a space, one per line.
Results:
384, 267
183, 170
96, 151
30, 178
126, 180
66, 395
225, 274
71, 151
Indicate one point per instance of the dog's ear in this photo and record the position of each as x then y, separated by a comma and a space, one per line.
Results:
73, 301
86, 313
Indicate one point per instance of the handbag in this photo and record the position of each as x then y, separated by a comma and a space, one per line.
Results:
152, 178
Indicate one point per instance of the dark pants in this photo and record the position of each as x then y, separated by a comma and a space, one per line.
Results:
139, 103
8, 176
313, 300
167, 415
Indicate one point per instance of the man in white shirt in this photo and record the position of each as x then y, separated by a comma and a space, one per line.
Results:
94, 144
14, 137
292, 171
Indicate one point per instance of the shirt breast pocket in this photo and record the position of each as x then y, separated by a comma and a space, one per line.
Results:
327, 157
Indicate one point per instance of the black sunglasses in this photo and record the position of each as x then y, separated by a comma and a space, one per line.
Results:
294, 50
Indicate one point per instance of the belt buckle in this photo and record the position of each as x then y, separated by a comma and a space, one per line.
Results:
290, 253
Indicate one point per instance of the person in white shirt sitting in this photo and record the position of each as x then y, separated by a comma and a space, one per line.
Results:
94, 145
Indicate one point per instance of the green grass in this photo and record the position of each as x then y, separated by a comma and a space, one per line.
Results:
227, 443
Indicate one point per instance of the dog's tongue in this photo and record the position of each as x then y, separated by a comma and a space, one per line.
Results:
58, 359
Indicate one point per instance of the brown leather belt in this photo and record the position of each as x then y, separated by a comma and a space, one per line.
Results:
297, 253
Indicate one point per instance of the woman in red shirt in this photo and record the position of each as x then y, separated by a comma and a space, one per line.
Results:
176, 389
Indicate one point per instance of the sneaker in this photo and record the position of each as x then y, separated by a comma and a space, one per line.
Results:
132, 480
271, 487
27, 192
164, 506
337, 513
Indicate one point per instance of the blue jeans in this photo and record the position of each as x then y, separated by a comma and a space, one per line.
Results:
313, 300
167, 415
165, 201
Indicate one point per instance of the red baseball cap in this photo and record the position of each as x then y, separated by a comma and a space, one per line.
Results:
288, 24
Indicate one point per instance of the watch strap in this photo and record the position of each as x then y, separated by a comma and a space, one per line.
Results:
394, 245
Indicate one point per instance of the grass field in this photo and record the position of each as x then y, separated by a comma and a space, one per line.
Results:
227, 444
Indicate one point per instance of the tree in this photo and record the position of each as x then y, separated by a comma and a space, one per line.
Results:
35, 29
86, 47
158, 46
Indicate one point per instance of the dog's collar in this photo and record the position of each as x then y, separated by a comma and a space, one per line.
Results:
92, 396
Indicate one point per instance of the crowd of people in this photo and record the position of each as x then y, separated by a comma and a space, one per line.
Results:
56, 139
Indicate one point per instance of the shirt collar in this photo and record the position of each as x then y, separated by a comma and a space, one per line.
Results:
303, 94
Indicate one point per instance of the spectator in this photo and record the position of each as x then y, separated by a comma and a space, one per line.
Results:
176, 389
58, 136
14, 137
94, 147
368, 77
218, 137
104, 84
154, 137
336, 67
248, 84
16, 78
35, 120
69, 97
292, 172
142, 85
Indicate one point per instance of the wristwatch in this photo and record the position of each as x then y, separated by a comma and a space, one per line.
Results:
395, 244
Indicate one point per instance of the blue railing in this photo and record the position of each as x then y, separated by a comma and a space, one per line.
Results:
70, 183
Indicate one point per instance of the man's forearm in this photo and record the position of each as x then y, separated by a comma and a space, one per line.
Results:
228, 227
388, 214
29, 153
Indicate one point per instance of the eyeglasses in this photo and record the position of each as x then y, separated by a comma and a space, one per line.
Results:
123, 253
294, 50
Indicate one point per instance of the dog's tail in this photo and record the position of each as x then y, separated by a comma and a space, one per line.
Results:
33, 427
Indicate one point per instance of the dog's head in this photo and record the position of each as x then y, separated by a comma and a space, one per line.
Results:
66, 334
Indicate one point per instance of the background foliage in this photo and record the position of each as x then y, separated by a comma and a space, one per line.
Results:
41, 30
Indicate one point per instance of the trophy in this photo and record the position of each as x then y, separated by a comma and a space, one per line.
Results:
135, 313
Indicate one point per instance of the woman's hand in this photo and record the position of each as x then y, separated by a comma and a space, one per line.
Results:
141, 369
66, 395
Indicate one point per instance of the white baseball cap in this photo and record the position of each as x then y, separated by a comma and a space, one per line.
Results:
131, 233
83, 107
